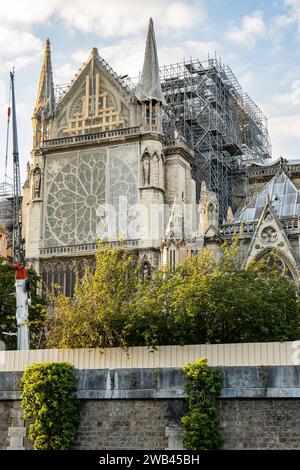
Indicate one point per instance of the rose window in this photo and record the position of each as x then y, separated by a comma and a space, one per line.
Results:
78, 193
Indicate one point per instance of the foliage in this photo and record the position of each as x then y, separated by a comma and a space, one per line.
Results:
201, 301
201, 423
97, 314
205, 301
8, 307
48, 400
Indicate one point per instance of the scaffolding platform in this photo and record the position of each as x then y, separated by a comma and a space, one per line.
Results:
226, 129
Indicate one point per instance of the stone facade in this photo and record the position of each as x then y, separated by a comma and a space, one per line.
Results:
102, 142
101, 168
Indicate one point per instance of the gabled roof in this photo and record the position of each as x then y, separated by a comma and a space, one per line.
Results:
95, 58
269, 239
284, 198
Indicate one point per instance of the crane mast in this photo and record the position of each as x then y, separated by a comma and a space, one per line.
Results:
21, 282
17, 211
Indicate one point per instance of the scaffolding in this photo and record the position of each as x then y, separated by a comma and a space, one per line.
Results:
225, 128
6, 206
205, 103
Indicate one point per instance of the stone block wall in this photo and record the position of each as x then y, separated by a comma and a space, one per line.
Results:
127, 424
5, 407
261, 423
259, 408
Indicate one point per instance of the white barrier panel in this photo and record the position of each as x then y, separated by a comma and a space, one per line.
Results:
243, 354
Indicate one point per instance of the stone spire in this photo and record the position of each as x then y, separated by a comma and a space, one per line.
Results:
94, 53
148, 87
44, 106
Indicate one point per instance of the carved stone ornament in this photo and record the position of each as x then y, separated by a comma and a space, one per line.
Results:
269, 235
146, 168
37, 176
269, 216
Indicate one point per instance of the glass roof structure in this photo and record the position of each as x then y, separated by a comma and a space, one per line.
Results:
284, 197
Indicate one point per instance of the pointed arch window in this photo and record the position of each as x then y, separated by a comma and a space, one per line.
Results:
146, 270
172, 258
274, 260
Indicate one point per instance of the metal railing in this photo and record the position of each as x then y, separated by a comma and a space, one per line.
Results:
289, 225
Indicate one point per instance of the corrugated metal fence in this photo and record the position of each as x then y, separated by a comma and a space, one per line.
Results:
246, 354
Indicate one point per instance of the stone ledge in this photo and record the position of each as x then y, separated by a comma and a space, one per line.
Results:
165, 383
130, 394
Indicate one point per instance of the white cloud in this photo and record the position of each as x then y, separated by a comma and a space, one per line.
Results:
281, 21
285, 127
127, 57
27, 12
121, 18
294, 12
252, 28
19, 47
289, 99
277, 29
286, 103
14, 42
106, 18
284, 131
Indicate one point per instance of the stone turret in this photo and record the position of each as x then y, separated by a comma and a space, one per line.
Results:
149, 96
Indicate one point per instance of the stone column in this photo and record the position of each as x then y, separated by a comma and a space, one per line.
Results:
17, 431
175, 437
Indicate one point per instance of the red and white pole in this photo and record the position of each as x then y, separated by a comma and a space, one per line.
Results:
22, 306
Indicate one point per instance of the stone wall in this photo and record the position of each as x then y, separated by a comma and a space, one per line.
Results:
127, 424
261, 423
141, 408
5, 407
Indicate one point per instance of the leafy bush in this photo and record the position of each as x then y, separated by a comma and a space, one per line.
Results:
201, 423
98, 313
48, 400
201, 301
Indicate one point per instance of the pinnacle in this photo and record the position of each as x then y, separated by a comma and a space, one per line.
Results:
94, 52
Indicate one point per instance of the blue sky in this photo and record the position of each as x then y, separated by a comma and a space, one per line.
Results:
258, 39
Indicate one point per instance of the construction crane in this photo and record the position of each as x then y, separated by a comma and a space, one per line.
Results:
21, 279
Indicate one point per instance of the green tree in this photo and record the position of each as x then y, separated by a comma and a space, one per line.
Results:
207, 301
8, 307
96, 316
201, 301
